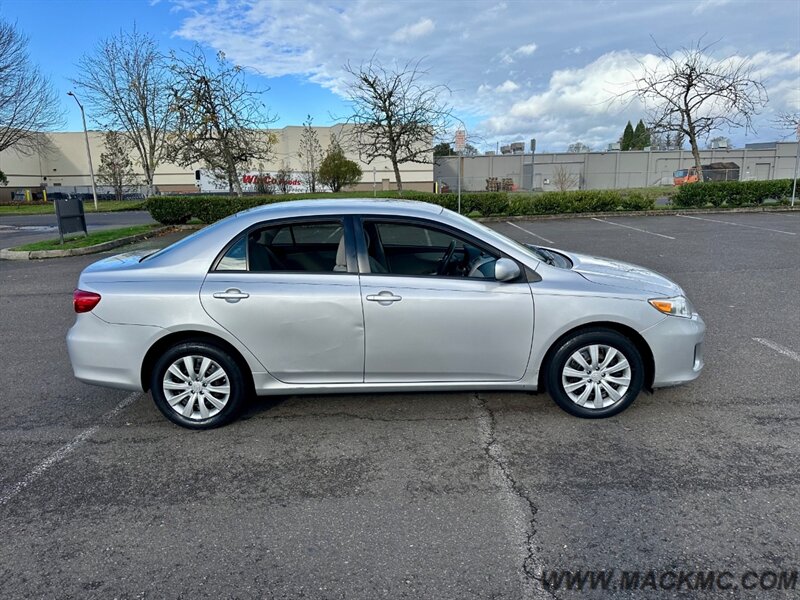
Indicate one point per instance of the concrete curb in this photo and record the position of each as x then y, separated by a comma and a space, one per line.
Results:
641, 213
8, 254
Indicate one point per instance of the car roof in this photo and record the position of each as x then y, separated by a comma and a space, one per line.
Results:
343, 206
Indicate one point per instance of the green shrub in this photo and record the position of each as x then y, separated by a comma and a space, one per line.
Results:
173, 210
732, 193
637, 201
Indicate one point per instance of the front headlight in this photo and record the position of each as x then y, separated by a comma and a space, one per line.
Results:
678, 306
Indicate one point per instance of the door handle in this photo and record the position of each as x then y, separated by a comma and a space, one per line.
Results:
231, 296
385, 298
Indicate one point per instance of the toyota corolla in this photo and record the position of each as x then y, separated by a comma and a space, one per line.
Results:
327, 296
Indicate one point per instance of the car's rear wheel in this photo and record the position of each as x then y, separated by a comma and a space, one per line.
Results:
595, 374
197, 385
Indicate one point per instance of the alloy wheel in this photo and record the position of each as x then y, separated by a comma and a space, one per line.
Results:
196, 387
596, 376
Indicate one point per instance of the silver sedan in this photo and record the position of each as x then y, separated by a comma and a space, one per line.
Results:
328, 296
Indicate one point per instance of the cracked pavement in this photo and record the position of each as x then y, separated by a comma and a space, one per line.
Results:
456, 495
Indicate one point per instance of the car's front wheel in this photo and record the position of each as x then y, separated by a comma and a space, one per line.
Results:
197, 385
595, 374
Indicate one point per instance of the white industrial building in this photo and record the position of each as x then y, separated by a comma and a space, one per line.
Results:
66, 165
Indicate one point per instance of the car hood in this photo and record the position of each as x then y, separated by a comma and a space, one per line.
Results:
607, 271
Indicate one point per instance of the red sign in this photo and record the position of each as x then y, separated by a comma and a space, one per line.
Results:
269, 179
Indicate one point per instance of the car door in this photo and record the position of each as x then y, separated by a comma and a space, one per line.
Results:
289, 291
422, 326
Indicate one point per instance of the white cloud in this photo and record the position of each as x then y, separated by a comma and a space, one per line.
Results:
506, 87
526, 50
558, 98
419, 29
705, 5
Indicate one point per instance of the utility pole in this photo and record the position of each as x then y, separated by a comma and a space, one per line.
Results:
88, 151
796, 163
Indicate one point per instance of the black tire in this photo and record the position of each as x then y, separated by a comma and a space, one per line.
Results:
232, 371
567, 347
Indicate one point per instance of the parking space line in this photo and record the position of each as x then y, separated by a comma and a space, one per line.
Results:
544, 239
64, 451
778, 348
669, 237
737, 224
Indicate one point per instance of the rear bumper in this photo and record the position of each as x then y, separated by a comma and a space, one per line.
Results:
107, 354
677, 346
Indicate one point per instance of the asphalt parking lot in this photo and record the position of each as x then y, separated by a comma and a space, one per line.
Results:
461, 495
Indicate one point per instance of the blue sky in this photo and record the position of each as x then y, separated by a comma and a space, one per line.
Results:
516, 69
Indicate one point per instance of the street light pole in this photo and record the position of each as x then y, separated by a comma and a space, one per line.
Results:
88, 151
796, 164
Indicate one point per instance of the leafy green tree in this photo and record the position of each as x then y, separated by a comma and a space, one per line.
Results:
446, 149
336, 170
626, 141
443, 149
3, 178
641, 136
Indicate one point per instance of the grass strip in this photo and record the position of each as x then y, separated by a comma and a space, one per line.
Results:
47, 209
81, 241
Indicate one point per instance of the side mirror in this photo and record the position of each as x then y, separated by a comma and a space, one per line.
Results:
506, 269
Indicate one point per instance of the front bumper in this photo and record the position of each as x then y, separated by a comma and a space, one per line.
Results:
677, 346
107, 354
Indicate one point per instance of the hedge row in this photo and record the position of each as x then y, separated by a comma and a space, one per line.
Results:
732, 193
173, 210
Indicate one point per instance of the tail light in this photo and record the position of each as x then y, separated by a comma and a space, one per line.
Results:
84, 301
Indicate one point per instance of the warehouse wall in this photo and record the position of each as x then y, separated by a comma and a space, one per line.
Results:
66, 164
609, 170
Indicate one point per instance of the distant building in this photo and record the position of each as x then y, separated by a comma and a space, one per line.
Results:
66, 165
612, 169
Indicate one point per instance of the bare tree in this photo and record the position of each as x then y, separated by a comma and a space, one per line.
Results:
220, 121
564, 180
264, 183
126, 82
116, 166
28, 103
788, 121
284, 177
578, 147
691, 94
396, 115
310, 155
720, 141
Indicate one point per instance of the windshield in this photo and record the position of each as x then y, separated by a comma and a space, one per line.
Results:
496, 235
680, 173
